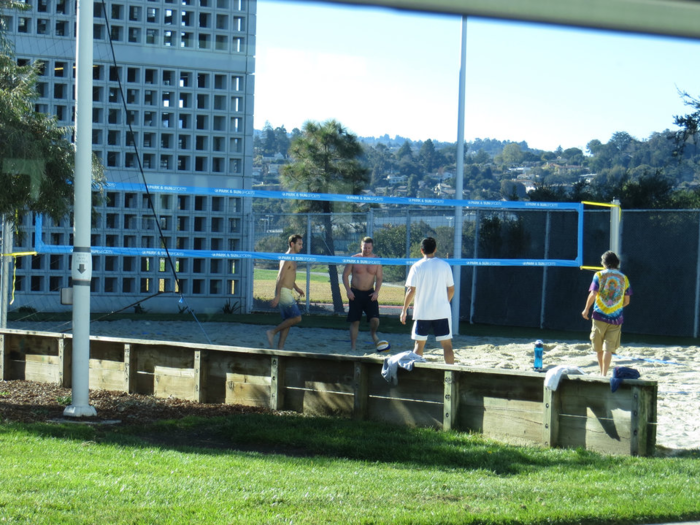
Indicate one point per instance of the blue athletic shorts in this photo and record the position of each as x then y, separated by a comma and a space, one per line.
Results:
442, 329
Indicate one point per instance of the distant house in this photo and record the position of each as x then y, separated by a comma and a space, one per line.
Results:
394, 178
443, 190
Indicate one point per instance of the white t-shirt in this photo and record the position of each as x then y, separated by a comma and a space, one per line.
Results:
431, 277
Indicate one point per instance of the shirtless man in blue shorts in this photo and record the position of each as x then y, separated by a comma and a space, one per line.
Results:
363, 292
286, 282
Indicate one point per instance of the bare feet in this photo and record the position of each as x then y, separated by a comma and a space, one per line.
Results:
270, 338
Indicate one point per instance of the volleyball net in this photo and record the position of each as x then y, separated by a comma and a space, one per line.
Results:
495, 233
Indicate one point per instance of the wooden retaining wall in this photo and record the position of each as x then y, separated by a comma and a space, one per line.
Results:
511, 406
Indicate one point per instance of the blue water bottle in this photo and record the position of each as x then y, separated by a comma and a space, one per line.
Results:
539, 349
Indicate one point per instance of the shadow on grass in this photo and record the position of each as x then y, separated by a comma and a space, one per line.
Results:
324, 437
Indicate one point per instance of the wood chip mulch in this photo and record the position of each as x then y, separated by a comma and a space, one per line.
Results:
30, 402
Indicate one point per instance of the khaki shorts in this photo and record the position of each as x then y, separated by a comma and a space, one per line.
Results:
605, 336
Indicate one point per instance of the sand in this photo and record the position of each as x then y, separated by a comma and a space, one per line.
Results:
675, 368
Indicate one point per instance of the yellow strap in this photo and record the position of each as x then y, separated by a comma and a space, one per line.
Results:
606, 204
18, 254
592, 268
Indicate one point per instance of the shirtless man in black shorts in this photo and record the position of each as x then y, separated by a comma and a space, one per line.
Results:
363, 294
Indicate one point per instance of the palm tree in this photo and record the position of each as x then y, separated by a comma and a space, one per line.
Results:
325, 160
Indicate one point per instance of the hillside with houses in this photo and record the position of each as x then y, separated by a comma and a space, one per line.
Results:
656, 171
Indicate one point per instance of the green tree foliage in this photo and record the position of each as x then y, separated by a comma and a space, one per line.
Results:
36, 157
282, 141
512, 155
325, 160
429, 157
269, 142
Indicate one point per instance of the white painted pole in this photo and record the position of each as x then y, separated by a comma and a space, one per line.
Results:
5, 283
543, 299
615, 219
81, 270
459, 181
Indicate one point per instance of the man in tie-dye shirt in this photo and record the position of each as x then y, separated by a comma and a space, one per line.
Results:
608, 294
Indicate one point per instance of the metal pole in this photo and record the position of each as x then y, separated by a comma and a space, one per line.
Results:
250, 265
459, 181
370, 222
308, 268
615, 231
408, 240
81, 270
697, 284
5, 282
477, 220
543, 300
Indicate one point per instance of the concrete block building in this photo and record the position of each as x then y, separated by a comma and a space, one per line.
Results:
173, 91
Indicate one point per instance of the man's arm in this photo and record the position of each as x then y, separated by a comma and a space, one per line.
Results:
626, 301
589, 303
408, 298
450, 293
346, 281
379, 279
278, 284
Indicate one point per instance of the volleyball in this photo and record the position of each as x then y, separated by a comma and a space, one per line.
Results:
383, 346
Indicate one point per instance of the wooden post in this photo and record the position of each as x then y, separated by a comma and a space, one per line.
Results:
451, 400
129, 370
276, 384
4, 360
200, 380
639, 422
361, 391
64, 364
550, 417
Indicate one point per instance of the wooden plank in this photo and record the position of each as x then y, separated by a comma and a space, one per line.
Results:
600, 435
17, 369
477, 385
639, 422
250, 379
550, 418
451, 402
515, 421
150, 356
578, 398
298, 371
341, 388
107, 350
421, 384
324, 403
277, 383
106, 375
651, 396
106, 379
360, 391
405, 412
247, 394
176, 382
42, 368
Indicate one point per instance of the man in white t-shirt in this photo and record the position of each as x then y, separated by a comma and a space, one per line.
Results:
431, 283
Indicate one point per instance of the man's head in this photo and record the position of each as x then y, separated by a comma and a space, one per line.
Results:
295, 243
610, 260
427, 246
367, 246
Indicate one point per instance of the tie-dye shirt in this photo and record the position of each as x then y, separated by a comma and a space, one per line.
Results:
611, 286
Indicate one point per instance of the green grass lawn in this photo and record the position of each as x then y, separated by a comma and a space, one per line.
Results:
261, 468
319, 287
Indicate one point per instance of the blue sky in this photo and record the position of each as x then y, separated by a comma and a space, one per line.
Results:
383, 71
